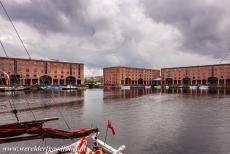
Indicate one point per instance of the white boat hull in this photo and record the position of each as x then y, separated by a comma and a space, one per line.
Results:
203, 87
157, 87
72, 149
192, 87
147, 87
125, 87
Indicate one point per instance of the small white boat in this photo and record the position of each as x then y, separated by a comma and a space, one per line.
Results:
125, 87
166, 87
72, 149
192, 87
5, 89
157, 87
147, 87
203, 87
69, 87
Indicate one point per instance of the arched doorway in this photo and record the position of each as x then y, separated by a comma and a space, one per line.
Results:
140, 81
71, 80
2, 80
45, 80
186, 81
212, 81
78, 82
127, 81
15, 79
169, 81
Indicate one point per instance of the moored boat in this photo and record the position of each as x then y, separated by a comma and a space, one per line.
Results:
157, 87
5, 89
203, 87
192, 87
125, 87
147, 87
69, 87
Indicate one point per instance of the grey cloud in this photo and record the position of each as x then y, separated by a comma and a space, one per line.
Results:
52, 15
202, 23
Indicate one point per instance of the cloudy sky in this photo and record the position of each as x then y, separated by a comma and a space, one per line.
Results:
102, 33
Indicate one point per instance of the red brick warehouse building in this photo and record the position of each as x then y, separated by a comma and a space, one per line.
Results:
212, 75
129, 76
18, 71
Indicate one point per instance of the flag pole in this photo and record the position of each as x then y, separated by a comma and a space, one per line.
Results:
106, 133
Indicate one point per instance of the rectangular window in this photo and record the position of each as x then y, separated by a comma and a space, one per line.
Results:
2, 67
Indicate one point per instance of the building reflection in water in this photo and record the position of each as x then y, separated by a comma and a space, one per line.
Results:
117, 93
79, 93
198, 92
41, 100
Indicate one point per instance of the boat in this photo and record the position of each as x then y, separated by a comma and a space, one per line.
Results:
69, 87
31, 130
157, 87
192, 87
50, 88
5, 89
166, 87
72, 149
203, 87
125, 87
147, 87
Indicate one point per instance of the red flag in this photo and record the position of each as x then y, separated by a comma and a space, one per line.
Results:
111, 127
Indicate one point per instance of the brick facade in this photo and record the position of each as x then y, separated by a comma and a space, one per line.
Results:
129, 76
41, 72
216, 75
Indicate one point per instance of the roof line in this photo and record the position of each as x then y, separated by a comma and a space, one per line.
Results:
41, 60
195, 66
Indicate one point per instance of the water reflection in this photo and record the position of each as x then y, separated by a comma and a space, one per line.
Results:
198, 92
147, 121
117, 93
41, 99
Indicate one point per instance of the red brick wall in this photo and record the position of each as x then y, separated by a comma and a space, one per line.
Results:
130, 76
197, 73
34, 69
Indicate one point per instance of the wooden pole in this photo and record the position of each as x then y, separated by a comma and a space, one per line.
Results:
106, 133
21, 138
30, 122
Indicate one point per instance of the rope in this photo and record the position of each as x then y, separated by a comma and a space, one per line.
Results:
15, 29
3, 48
12, 105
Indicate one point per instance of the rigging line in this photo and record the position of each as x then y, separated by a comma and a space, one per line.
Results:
15, 29
30, 108
52, 101
12, 106
3, 48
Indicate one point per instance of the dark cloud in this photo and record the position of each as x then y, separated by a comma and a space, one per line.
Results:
52, 15
203, 24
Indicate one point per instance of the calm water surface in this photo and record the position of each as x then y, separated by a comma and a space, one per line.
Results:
147, 121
